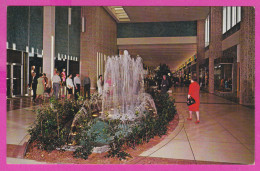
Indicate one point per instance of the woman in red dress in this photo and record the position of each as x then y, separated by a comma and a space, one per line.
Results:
194, 92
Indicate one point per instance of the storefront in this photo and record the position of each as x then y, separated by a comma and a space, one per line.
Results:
204, 73
226, 75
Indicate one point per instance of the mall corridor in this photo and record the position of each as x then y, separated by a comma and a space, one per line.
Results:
224, 135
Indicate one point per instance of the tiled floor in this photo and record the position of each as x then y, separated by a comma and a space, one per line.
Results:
19, 103
225, 134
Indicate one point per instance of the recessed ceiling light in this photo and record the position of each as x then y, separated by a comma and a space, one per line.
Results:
119, 13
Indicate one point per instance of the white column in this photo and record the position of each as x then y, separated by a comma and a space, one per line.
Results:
97, 65
48, 40
101, 66
99, 61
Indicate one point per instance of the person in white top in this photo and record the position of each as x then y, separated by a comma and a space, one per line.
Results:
56, 84
77, 84
100, 84
69, 85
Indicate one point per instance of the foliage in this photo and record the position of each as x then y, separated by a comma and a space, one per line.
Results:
145, 129
54, 126
87, 140
51, 129
116, 149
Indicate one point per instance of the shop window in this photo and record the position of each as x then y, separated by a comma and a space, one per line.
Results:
203, 77
223, 77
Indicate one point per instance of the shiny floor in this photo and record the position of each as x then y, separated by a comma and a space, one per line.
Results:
225, 134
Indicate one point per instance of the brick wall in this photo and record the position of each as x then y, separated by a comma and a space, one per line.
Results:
215, 46
247, 60
200, 44
100, 36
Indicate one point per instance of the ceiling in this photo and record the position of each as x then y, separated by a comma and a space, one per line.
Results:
172, 55
164, 13
153, 55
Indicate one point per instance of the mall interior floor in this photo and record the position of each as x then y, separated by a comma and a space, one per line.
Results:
225, 134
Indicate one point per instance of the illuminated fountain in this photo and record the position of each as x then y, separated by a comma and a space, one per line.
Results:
123, 98
123, 94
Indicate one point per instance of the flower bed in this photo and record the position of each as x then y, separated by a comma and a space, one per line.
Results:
53, 129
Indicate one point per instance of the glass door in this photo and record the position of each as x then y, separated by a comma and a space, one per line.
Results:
14, 80
17, 80
8, 81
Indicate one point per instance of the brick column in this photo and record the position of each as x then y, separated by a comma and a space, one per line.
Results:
200, 44
247, 56
100, 36
48, 40
215, 45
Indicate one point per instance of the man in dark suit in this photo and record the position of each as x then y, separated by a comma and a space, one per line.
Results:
34, 85
86, 83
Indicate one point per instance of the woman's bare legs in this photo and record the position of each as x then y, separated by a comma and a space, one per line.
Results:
190, 118
198, 117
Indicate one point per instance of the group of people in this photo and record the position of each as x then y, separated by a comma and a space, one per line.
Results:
70, 85
40, 85
225, 84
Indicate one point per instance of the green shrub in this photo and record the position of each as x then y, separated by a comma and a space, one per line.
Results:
146, 129
53, 126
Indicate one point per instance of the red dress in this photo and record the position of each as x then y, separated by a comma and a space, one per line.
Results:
194, 92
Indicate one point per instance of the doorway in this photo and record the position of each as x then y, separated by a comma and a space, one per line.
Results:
14, 80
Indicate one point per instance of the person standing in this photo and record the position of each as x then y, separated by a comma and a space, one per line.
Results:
86, 83
31, 75
47, 88
34, 85
69, 85
164, 85
77, 83
63, 82
56, 81
40, 87
99, 84
194, 92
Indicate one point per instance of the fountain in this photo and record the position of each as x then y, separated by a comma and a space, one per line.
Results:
123, 94
123, 98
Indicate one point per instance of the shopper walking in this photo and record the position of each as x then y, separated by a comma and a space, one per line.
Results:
47, 88
194, 92
77, 84
69, 85
164, 85
56, 81
86, 84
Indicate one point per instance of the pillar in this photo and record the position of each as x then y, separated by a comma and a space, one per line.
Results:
200, 44
215, 42
247, 56
48, 40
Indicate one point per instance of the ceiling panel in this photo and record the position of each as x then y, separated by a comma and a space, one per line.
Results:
165, 13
